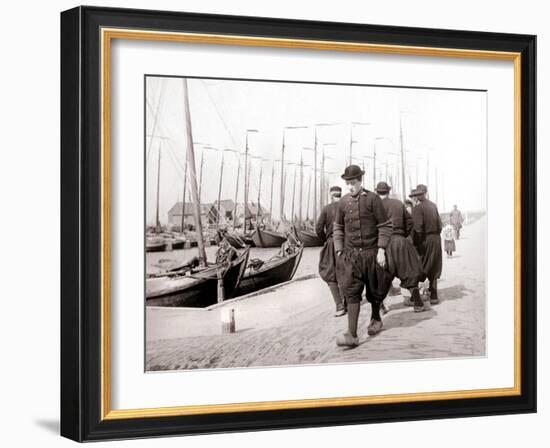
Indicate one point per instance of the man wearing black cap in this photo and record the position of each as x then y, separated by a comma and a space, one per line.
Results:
403, 261
427, 238
327, 258
362, 231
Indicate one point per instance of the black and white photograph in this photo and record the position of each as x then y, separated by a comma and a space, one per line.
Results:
295, 223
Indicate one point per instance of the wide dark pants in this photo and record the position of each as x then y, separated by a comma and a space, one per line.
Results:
357, 270
404, 262
432, 256
327, 262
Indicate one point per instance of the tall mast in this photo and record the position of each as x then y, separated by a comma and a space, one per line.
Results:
155, 115
315, 179
194, 189
322, 179
220, 192
202, 164
184, 194
245, 181
282, 202
308, 196
271, 199
204, 148
236, 193
284, 188
249, 173
428, 170
374, 165
158, 191
282, 194
301, 190
402, 158
259, 193
246, 175
293, 194
351, 144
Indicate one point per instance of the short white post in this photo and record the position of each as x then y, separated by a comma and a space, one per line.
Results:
228, 320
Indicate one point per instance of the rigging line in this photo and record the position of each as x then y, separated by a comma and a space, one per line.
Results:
170, 145
178, 172
155, 116
264, 196
182, 167
181, 174
219, 114
180, 164
168, 134
170, 142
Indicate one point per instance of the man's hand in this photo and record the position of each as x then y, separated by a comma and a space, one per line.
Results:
381, 257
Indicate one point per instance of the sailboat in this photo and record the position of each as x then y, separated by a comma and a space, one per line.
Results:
267, 238
155, 244
190, 287
158, 240
263, 237
308, 237
278, 269
197, 283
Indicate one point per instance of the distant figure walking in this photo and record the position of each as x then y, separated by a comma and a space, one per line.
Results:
427, 237
449, 240
327, 257
456, 220
403, 260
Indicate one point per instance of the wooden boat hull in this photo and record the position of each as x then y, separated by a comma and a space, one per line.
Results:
155, 247
272, 273
239, 241
267, 238
199, 290
309, 238
178, 244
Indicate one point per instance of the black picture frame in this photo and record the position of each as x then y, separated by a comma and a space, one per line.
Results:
81, 224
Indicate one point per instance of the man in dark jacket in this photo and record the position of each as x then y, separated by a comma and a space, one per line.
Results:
327, 258
362, 232
403, 260
427, 238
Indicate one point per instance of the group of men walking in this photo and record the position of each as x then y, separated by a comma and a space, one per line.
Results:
370, 239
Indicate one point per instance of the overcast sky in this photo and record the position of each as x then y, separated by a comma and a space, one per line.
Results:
448, 127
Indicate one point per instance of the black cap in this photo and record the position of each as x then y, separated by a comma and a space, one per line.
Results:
336, 189
421, 188
382, 188
352, 172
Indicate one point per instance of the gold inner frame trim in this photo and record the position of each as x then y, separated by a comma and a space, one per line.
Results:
107, 35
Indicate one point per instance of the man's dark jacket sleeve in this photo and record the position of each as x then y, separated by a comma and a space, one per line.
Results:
321, 225
384, 224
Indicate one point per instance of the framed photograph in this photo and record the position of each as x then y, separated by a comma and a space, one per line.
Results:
274, 223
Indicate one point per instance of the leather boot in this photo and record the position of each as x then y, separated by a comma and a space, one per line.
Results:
419, 305
434, 299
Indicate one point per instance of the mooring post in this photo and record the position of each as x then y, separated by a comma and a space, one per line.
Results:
228, 320
221, 289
